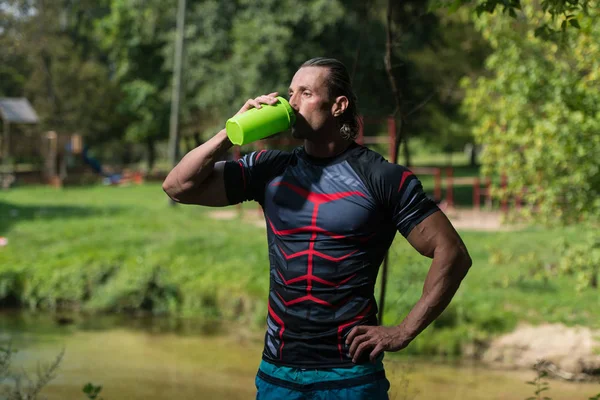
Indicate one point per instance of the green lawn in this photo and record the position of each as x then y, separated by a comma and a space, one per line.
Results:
124, 249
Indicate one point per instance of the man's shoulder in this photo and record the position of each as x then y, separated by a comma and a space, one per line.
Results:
266, 157
373, 164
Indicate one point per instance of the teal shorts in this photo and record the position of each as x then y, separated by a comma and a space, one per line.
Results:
361, 382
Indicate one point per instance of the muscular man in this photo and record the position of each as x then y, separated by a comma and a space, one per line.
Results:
332, 209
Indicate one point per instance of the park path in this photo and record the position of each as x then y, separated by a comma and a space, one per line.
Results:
462, 219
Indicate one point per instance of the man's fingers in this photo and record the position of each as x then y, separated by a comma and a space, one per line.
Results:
362, 347
376, 352
254, 103
267, 100
355, 331
356, 342
250, 103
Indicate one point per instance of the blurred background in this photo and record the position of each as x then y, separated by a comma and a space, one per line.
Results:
494, 104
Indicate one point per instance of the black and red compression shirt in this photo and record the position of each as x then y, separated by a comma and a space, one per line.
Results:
329, 225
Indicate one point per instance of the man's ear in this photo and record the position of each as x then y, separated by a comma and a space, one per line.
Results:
339, 106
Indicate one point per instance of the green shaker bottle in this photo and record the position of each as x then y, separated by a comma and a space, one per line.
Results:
259, 123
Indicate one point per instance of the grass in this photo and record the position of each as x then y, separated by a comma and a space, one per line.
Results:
124, 249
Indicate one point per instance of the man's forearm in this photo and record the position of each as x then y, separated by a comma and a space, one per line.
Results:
443, 280
198, 164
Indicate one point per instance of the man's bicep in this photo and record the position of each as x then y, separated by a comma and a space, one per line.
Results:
432, 233
211, 192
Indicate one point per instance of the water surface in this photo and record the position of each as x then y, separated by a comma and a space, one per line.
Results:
152, 359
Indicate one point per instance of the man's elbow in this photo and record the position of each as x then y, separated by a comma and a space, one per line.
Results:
169, 189
172, 188
181, 192
462, 259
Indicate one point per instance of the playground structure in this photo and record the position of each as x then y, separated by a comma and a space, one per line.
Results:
12, 111
67, 159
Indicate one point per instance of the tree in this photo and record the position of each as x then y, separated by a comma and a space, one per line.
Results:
225, 64
14, 68
135, 36
427, 53
555, 16
536, 113
243, 48
57, 66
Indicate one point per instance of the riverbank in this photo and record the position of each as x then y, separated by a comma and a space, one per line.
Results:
125, 250
568, 353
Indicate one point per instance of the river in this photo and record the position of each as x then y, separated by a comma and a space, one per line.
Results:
153, 358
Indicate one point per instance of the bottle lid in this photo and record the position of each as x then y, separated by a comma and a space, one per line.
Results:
289, 109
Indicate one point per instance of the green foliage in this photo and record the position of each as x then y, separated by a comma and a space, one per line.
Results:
540, 386
565, 12
14, 68
536, 116
92, 391
582, 259
21, 386
55, 63
134, 35
248, 48
105, 69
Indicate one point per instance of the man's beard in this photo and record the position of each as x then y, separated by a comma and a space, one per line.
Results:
302, 130
298, 133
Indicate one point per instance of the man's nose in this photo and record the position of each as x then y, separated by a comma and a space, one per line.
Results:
294, 102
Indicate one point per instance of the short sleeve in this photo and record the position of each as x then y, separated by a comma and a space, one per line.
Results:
245, 179
409, 204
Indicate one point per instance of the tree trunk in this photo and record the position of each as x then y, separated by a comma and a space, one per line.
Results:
151, 153
126, 156
473, 154
397, 111
406, 151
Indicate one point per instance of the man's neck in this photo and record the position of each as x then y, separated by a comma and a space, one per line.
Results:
326, 149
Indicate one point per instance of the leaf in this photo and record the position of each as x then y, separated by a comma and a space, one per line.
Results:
574, 23
92, 391
479, 10
454, 6
88, 389
540, 31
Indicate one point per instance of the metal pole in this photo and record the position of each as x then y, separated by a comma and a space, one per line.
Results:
176, 91
383, 286
6, 150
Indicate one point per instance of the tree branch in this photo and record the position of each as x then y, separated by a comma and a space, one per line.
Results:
420, 105
388, 61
